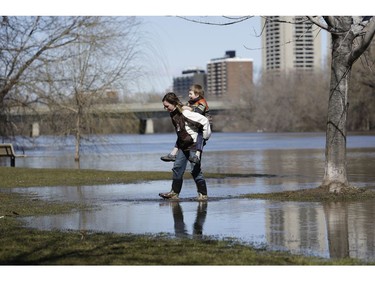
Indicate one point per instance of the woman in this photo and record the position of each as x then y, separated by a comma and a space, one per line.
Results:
187, 124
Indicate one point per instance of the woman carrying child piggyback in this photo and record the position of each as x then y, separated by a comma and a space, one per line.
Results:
187, 124
197, 103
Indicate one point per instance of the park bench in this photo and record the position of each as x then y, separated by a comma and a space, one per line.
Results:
6, 150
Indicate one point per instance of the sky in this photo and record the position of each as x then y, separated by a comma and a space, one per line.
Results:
179, 44
174, 43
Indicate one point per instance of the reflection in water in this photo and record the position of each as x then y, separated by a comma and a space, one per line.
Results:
337, 226
178, 218
334, 230
200, 219
297, 227
351, 231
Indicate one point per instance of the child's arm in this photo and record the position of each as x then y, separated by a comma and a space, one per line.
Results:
186, 107
200, 108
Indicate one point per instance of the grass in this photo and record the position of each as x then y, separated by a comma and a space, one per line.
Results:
26, 177
33, 247
318, 194
23, 246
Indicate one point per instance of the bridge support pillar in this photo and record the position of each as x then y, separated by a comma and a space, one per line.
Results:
147, 126
35, 132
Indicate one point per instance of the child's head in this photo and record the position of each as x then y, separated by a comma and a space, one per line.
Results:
195, 91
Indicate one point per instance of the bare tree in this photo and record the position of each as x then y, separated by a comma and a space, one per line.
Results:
67, 64
292, 101
102, 62
27, 43
351, 36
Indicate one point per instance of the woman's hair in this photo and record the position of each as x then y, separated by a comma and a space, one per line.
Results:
198, 90
173, 99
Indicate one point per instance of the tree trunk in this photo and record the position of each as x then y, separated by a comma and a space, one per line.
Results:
78, 138
345, 51
335, 177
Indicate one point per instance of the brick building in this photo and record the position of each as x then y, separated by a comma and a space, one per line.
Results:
229, 77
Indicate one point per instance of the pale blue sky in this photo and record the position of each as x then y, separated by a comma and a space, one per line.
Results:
177, 44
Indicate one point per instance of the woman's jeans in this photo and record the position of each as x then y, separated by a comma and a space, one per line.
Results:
179, 167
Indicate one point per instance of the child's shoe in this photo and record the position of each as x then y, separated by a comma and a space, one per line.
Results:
168, 158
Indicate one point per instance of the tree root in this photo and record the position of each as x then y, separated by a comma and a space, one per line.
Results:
340, 188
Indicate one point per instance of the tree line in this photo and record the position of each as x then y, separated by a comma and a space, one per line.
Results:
297, 101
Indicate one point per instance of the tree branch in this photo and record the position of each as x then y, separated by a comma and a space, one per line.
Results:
330, 21
233, 20
364, 42
317, 23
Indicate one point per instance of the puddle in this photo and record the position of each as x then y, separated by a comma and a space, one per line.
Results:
327, 230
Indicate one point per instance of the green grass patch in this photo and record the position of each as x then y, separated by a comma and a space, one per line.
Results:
26, 177
318, 194
23, 246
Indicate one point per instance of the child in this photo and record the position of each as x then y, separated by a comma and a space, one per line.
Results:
197, 103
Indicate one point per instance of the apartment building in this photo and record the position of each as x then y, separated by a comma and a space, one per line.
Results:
229, 77
290, 43
181, 84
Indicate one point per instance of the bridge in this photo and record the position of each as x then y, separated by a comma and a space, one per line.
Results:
145, 112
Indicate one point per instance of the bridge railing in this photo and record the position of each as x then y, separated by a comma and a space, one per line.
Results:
116, 108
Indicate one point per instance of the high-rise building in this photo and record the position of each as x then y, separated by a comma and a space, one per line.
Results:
189, 77
229, 77
290, 43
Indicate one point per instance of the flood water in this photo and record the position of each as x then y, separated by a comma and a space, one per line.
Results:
276, 162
